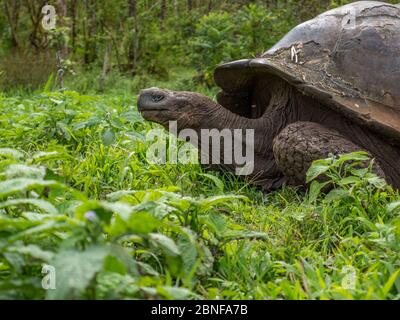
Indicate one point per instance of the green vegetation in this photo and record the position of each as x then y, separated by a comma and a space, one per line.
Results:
140, 39
77, 193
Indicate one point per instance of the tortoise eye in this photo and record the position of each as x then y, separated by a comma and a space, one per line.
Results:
157, 97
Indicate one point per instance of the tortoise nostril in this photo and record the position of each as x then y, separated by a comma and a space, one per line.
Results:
157, 97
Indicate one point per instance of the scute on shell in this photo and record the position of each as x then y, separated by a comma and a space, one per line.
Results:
350, 65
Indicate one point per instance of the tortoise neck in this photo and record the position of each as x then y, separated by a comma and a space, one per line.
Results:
221, 118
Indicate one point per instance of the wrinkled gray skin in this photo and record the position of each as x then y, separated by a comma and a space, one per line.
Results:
292, 131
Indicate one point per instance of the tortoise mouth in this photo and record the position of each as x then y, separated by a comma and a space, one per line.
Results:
149, 109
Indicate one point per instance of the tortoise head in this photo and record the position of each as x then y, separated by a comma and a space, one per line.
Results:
162, 106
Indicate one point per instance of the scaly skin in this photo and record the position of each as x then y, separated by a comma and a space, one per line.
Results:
301, 143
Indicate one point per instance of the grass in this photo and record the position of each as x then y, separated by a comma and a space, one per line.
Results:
77, 194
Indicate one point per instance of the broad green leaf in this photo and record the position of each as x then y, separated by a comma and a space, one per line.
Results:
43, 156
147, 269
41, 204
142, 223
32, 250
80, 125
75, 270
393, 206
161, 210
316, 170
207, 203
181, 204
358, 172
24, 171
108, 137
91, 210
57, 102
354, 156
135, 136
349, 180
91, 122
66, 131
218, 182
336, 194
133, 116
175, 293
15, 259
34, 216
43, 229
15, 225
116, 123
216, 222
115, 196
12, 186
123, 256
315, 190
113, 264
168, 245
377, 182
7, 152
136, 223
187, 246
117, 207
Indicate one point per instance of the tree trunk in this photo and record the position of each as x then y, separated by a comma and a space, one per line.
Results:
12, 14
37, 38
62, 14
106, 67
134, 42
90, 30
73, 24
176, 8
210, 5
190, 5
132, 8
163, 13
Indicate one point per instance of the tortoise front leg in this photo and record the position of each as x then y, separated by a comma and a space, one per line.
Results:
301, 143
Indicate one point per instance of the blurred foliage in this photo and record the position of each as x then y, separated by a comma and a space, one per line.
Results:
23, 70
139, 38
222, 37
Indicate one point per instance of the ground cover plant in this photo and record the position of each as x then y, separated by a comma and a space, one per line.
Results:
85, 215
77, 194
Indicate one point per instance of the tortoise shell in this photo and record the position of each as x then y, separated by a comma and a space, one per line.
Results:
348, 58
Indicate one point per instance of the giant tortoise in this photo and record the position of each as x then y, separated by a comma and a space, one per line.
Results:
330, 86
